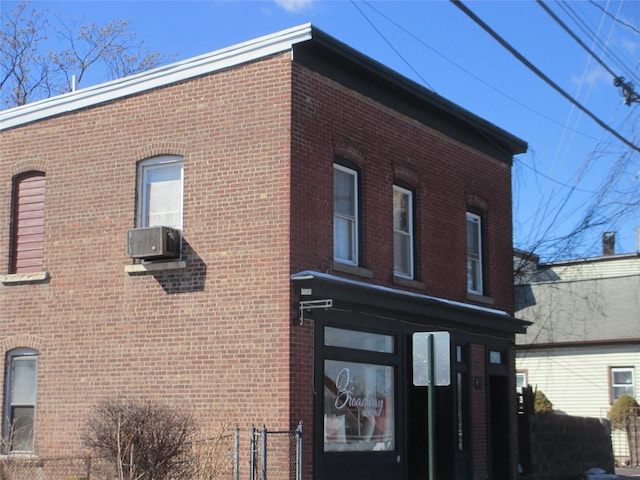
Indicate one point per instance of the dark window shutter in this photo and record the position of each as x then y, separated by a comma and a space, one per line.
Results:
28, 223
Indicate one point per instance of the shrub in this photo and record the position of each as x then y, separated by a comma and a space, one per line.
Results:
142, 440
542, 403
622, 409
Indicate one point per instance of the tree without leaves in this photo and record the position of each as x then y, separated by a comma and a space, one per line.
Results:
29, 72
142, 439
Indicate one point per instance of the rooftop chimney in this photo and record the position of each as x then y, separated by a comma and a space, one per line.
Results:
608, 243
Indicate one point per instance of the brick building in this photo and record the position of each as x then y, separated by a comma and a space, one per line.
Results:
293, 173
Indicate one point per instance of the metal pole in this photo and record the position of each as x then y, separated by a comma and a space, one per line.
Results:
430, 411
299, 451
252, 455
264, 452
236, 455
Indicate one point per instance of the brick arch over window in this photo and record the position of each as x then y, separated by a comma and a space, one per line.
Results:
24, 340
161, 149
407, 175
476, 203
28, 165
345, 148
27, 225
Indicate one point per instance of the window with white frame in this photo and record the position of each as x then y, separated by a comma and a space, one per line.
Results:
521, 380
402, 232
160, 182
474, 253
20, 400
345, 215
622, 382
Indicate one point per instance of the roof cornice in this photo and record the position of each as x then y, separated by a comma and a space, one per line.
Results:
158, 77
305, 38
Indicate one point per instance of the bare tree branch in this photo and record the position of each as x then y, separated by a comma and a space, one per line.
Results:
28, 72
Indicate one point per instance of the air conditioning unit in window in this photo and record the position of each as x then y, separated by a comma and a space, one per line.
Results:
153, 243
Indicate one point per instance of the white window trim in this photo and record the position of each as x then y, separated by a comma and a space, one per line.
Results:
409, 234
479, 280
11, 357
144, 167
613, 370
355, 219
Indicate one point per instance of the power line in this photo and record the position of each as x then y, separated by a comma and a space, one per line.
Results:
391, 45
539, 73
615, 19
582, 24
471, 74
618, 81
627, 89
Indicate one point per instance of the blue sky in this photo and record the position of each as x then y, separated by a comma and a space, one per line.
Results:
571, 159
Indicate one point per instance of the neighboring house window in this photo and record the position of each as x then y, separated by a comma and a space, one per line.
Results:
20, 399
27, 235
521, 380
345, 215
474, 253
622, 382
160, 192
402, 232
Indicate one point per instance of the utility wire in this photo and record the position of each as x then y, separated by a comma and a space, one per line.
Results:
391, 45
627, 88
615, 19
539, 73
594, 37
575, 37
471, 74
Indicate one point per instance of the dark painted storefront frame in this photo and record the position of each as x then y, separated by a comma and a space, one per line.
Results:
368, 308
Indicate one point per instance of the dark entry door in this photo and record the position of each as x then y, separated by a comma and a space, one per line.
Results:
499, 412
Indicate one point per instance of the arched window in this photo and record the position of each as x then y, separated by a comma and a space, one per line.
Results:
21, 379
27, 232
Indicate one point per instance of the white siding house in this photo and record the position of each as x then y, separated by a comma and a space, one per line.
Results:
583, 349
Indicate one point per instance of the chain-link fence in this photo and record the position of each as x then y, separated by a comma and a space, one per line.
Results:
56, 468
276, 455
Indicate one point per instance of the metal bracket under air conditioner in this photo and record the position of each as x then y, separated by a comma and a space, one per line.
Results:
312, 305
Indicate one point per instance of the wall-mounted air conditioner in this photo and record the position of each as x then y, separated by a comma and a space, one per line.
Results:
153, 243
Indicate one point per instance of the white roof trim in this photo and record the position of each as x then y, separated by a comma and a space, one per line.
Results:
211, 62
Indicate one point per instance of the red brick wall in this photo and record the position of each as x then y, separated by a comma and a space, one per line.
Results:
213, 338
330, 120
217, 337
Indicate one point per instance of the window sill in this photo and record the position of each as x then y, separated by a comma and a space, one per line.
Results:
352, 269
155, 267
409, 283
20, 278
474, 297
19, 456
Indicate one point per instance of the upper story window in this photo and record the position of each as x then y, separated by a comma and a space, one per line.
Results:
403, 251
622, 382
474, 254
345, 215
27, 229
160, 181
20, 400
